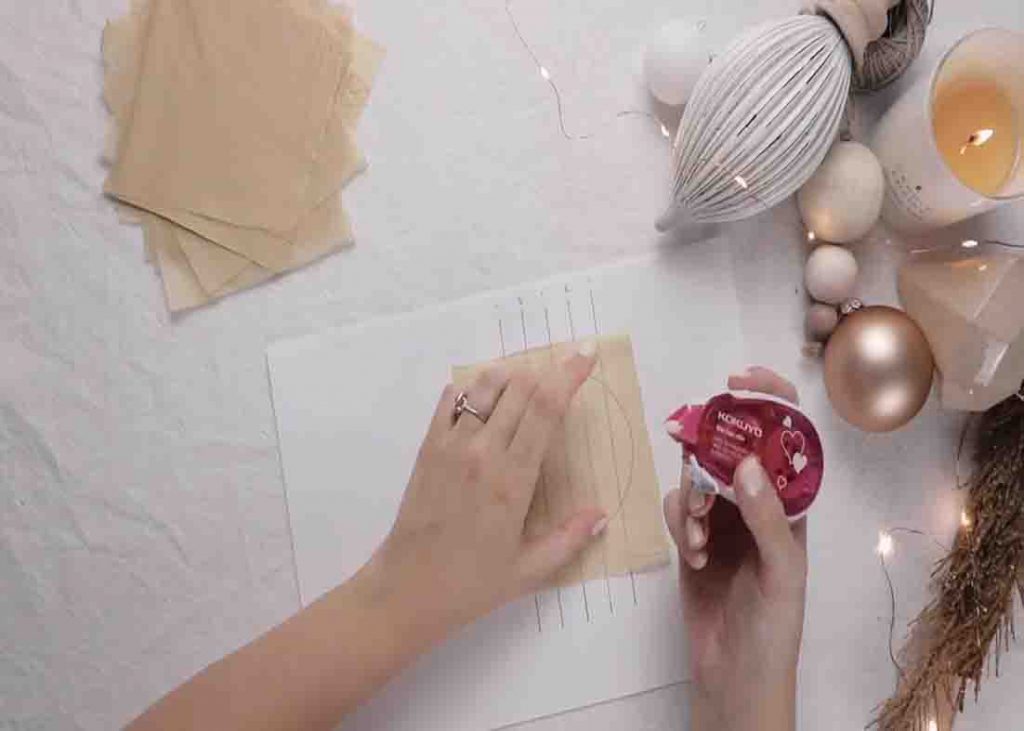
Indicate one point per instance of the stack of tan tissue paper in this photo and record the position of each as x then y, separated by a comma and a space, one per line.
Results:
234, 135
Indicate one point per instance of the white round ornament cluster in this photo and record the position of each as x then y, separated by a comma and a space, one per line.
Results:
675, 59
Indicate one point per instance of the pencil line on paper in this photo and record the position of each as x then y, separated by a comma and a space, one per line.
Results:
568, 471
593, 474
544, 483
615, 455
621, 407
501, 335
287, 506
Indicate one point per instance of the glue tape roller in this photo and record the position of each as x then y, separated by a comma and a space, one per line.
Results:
719, 435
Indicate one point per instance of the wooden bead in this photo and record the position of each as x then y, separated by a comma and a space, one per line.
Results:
831, 274
821, 321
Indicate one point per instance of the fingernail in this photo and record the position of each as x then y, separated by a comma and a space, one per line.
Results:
599, 527
694, 534
750, 476
588, 348
697, 500
699, 561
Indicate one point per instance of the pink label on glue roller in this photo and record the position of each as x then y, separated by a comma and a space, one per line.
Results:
724, 431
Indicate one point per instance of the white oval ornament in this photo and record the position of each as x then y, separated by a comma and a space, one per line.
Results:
843, 200
760, 121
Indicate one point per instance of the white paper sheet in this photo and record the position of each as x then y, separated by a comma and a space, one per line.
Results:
352, 406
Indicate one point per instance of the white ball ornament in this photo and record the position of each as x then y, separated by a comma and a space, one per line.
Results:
831, 274
675, 59
843, 200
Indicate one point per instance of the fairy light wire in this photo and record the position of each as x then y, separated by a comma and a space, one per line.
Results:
1004, 244
892, 613
970, 245
885, 549
545, 74
548, 78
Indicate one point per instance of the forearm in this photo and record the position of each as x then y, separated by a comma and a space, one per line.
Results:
721, 710
308, 672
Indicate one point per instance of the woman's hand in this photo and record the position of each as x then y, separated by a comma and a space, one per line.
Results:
457, 549
743, 581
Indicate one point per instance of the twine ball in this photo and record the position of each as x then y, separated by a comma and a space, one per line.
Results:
891, 55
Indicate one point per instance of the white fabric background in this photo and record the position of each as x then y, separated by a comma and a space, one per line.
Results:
143, 530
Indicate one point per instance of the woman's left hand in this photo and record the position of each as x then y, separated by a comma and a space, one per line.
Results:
458, 548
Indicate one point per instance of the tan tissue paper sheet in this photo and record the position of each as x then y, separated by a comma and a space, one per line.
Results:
336, 163
217, 272
601, 457
267, 78
221, 257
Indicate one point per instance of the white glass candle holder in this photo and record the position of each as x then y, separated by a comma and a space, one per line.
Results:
933, 177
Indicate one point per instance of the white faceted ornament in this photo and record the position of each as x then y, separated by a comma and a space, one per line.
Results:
674, 60
760, 122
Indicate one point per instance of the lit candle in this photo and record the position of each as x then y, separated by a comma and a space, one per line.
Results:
977, 133
952, 146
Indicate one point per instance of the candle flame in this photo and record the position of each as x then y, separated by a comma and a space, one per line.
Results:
978, 139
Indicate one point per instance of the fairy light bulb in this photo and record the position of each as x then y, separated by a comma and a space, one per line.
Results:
933, 725
970, 244
965, 520
742, 182
664, 132
885, 544
545, 74
811, 236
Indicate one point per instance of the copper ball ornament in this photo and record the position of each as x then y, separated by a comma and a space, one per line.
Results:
878, 369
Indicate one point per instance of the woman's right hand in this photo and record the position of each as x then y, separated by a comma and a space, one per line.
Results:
743, 582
